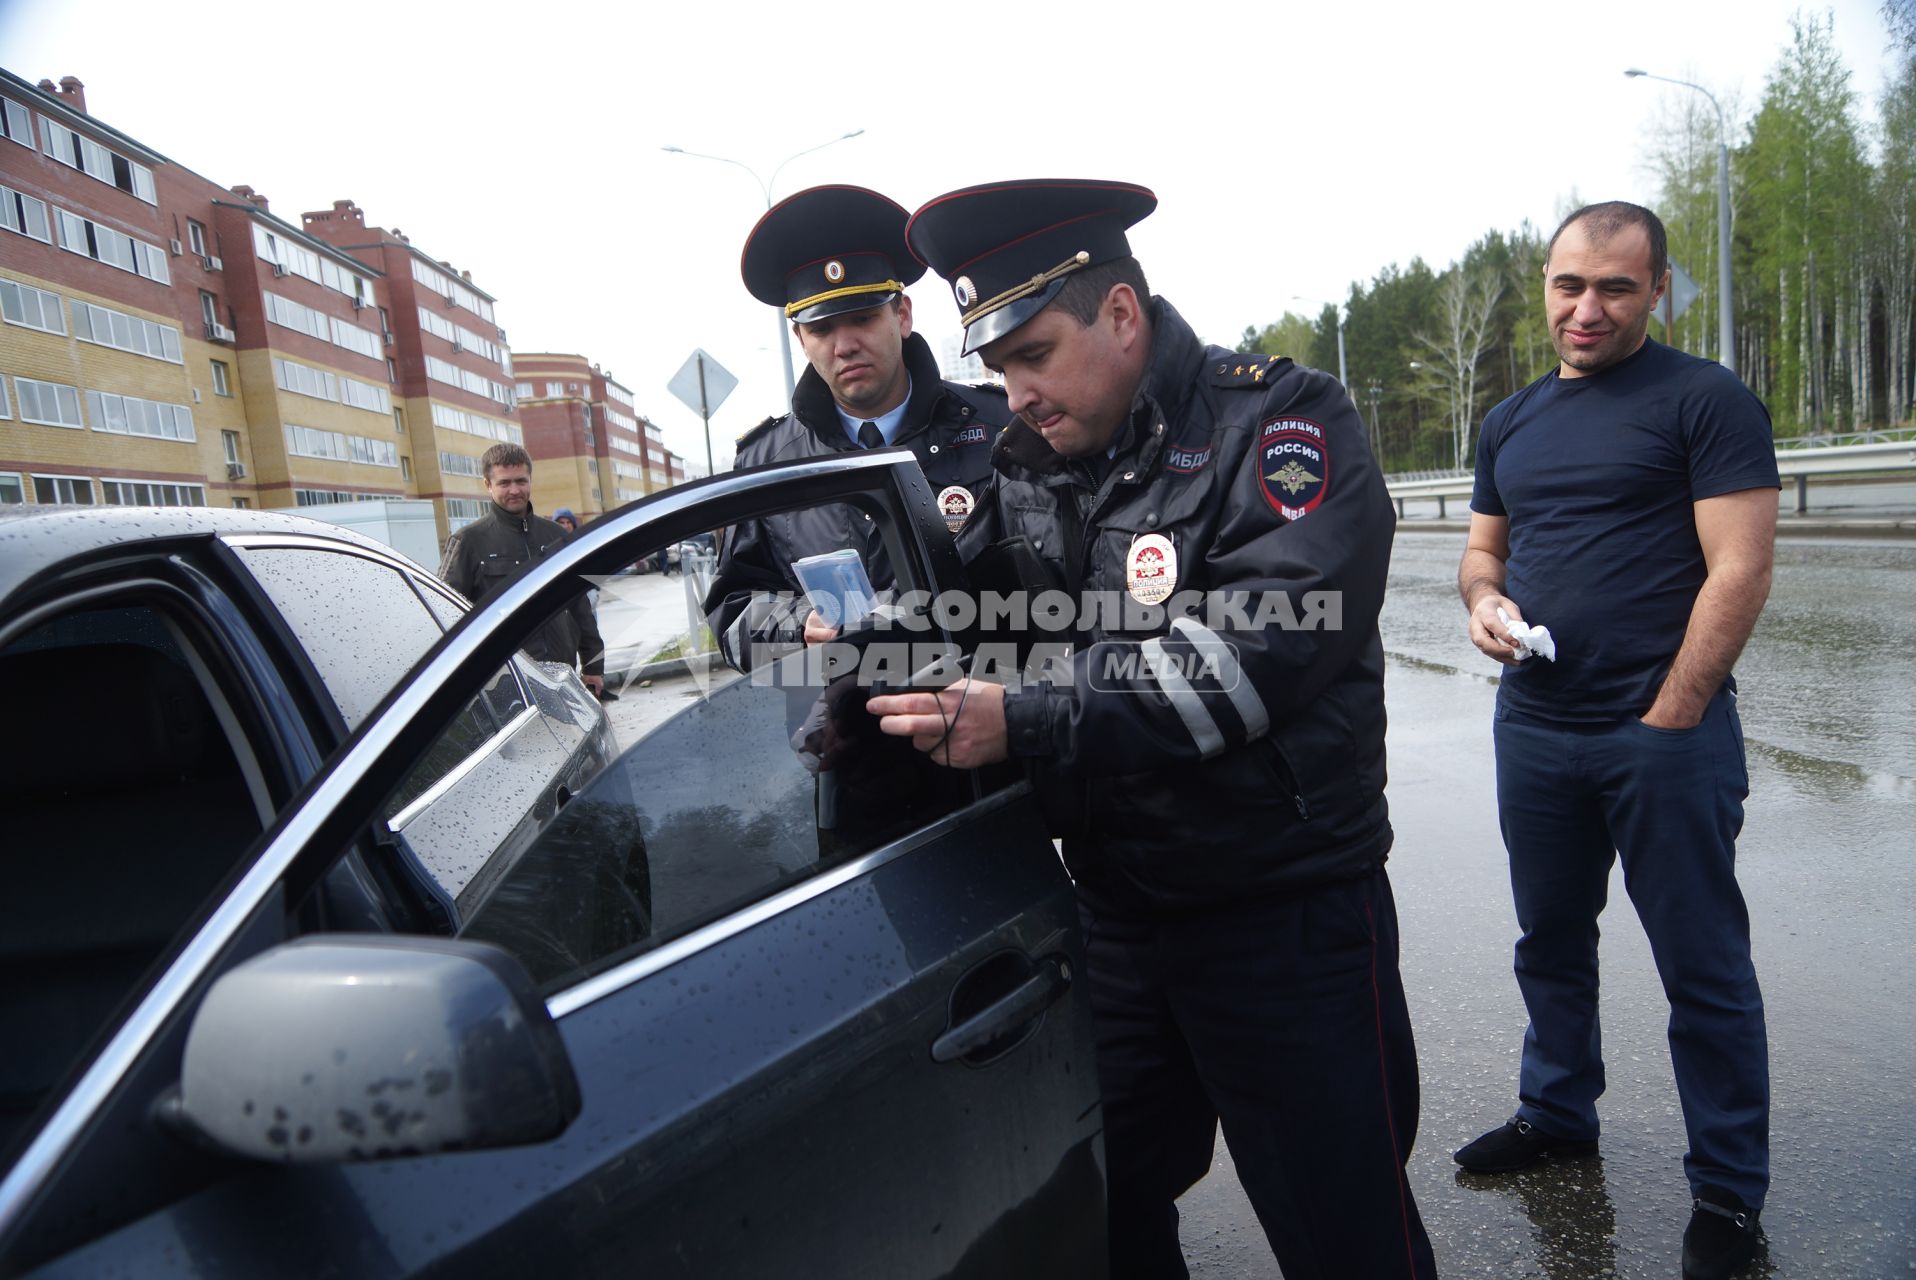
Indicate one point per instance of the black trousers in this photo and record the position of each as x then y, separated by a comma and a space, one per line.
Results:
1284, 1018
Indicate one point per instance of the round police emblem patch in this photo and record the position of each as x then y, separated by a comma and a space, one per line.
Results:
834, 271
955, 504
1151, 569
1296, 467
965, 291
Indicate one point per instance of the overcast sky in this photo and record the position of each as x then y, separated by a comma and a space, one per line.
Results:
1293, 147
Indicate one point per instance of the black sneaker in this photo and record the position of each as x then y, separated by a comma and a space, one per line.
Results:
1517, 1144
1721, 1238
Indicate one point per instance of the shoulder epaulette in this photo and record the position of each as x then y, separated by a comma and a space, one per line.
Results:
1247, 370
760, 429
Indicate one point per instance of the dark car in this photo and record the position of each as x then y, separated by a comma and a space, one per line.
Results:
672, 1024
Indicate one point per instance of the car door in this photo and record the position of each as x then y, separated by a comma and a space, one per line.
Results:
854, 1050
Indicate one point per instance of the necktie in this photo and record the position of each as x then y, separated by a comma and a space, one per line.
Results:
869, 436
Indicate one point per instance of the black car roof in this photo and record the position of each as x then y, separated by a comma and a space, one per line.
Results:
34, 539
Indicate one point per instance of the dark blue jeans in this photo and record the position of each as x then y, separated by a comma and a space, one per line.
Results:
1285, 1018
1670, 803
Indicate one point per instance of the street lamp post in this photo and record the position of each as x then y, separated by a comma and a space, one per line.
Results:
765, 189
1726, 330
1374, 392
1342, 376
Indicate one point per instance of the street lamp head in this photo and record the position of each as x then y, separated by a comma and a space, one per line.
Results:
674, 150
853, 134
1636, 71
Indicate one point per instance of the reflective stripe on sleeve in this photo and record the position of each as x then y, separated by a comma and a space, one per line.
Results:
1250, 707
1183, 697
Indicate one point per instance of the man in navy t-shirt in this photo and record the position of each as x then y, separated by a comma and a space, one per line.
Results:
1627, 501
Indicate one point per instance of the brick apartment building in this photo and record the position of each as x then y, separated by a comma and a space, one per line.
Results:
168, 341
592, 449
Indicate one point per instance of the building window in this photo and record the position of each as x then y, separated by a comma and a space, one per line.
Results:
83, 153
320, 497
229, 441
24, 214
12, 493
23, 304
222, 381
405, 468
149, 493
90, 239
209, 308
51, 404
242, 504
399, 422
6, 411
72, 491
16, 122
131, 416
125, 332
309, 442
196, 237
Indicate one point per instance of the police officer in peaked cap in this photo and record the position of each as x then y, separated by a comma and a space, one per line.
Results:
1216, 773
835, 259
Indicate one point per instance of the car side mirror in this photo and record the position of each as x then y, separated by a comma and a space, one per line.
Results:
363, 1047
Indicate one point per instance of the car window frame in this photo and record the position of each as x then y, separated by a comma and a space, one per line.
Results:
339, 803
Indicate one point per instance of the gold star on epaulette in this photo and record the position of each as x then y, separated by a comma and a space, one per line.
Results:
1238, 372
1257, 374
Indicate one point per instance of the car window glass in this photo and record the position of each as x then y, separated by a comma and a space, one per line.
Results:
486, 716
477, 724
730, 786
358, 620
129, 809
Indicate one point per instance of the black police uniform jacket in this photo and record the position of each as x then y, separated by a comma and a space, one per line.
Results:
1178, 781
484, 555
755, 598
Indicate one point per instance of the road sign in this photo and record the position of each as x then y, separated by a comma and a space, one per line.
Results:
702, 383
1683, 291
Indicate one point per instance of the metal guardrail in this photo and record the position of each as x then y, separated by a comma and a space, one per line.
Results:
1855, 454
1837, 440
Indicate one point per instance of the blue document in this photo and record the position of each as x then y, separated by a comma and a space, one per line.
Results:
837, 586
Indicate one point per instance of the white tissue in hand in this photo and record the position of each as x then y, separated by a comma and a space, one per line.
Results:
1529, 639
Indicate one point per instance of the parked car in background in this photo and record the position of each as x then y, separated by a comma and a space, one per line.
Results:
338, 940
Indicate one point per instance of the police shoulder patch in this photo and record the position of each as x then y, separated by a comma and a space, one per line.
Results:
1294, 465
1254, 370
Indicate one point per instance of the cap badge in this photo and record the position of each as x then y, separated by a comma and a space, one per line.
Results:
966, 291
834, 271
1151, 569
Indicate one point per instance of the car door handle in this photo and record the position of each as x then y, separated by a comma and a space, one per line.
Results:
1002, 1019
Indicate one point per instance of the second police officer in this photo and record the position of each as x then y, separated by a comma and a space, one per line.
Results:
1224, 773
834, 258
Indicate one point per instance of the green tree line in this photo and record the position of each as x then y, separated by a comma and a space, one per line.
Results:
1823, 258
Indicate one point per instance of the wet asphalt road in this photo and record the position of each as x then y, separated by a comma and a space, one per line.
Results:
1828, 865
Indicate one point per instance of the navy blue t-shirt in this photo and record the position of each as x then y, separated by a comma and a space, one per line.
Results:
1597, 476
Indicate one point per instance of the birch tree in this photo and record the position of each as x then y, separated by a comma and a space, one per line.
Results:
1467, 300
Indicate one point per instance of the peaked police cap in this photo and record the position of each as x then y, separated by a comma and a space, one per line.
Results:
827, 251
1006, 248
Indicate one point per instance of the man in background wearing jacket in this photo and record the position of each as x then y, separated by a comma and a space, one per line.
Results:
1220, 770
481, 557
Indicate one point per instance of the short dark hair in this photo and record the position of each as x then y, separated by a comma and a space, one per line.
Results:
505, 454
1084, 291
1613, 216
